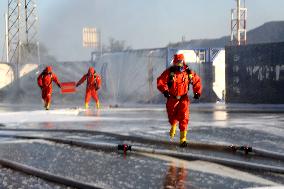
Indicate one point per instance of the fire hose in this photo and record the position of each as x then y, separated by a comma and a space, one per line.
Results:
181, 155
192, 145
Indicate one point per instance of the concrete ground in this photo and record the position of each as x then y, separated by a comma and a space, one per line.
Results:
259, 126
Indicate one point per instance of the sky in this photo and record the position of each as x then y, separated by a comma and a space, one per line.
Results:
140, 23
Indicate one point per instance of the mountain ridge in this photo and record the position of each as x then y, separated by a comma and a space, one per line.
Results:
269, 32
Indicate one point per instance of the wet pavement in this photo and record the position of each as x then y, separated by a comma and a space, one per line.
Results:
108, 170
13, 179
259, 126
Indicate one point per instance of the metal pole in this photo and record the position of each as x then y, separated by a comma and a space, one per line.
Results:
26, 21
38, 43
6, 37
19, 44
238, 21
38, 52
232, 26
7, 28
245, 26
101, 44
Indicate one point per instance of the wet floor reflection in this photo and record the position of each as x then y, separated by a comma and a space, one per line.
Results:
90, 112
175, 177
48, 125
220, 115
93, 113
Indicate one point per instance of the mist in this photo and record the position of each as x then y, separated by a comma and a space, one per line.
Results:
141, 25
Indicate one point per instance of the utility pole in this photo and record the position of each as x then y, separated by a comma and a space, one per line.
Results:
31, 26
14, 34
21, 27
6, 37
238, 24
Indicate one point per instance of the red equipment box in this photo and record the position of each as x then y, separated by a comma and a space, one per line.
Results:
68, 87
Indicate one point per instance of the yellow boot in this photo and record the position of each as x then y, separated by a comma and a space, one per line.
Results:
183, 142
86, 105
98, 105
47, 106
173, 131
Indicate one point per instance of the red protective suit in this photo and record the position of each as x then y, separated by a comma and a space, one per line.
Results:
93, 84
178, 102
44, 81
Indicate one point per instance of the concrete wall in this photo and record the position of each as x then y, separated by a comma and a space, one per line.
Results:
255, 73
6, 75
29, 92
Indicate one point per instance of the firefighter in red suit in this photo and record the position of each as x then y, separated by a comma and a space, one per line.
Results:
174, 84
44, 81
93, 84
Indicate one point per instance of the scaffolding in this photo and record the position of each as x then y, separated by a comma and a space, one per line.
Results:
22, 33
238, 24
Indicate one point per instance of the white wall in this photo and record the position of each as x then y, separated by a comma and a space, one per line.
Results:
27, 68
219, 84
6, 75
190, 56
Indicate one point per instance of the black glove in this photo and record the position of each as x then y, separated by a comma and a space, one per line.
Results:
196, 96
166, 94
77, 85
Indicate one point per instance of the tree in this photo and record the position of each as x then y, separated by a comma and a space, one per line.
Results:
116, 45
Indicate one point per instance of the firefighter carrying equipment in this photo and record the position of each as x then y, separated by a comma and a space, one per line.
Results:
93, 84
44, 81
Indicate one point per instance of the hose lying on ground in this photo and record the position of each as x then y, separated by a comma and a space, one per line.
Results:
45, 175
192, 145
181, 155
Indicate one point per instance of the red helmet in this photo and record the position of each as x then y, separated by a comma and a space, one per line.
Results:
178, 60
48, 69
91, 70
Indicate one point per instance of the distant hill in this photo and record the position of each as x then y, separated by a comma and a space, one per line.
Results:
266, 33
